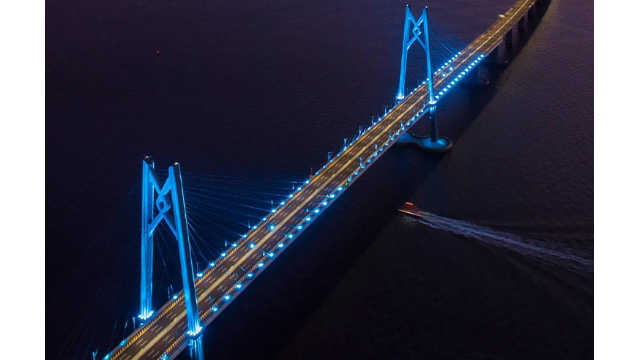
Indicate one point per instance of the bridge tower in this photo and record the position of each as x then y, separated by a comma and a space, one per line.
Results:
412, 29
434, 143
154, 210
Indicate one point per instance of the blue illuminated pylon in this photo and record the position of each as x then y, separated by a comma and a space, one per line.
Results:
412, 34
146, 250
169, 195
434, 143
195, 349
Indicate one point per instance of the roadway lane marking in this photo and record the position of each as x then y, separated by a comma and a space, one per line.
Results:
154, 341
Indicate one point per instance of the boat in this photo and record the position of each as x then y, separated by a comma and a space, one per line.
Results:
412, 210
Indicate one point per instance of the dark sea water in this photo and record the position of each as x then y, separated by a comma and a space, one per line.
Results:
264, 89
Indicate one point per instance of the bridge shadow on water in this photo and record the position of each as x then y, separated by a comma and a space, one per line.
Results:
265, 318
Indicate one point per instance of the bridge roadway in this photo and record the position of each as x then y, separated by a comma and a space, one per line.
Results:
165, 331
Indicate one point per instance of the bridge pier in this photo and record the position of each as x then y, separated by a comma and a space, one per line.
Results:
435, 143
432, 143
521, 25
493, 58
473, 78
508, 39
531, 13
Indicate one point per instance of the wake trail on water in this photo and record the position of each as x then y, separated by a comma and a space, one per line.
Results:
544, 251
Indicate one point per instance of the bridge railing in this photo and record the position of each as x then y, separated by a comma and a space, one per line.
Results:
172, 347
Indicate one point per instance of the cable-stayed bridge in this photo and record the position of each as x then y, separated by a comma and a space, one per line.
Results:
168, 330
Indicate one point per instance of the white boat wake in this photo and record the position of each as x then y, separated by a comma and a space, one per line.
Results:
544, 251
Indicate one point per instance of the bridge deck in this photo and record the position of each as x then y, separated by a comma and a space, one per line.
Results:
164, 333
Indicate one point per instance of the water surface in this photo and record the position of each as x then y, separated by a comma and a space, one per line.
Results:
265, 89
